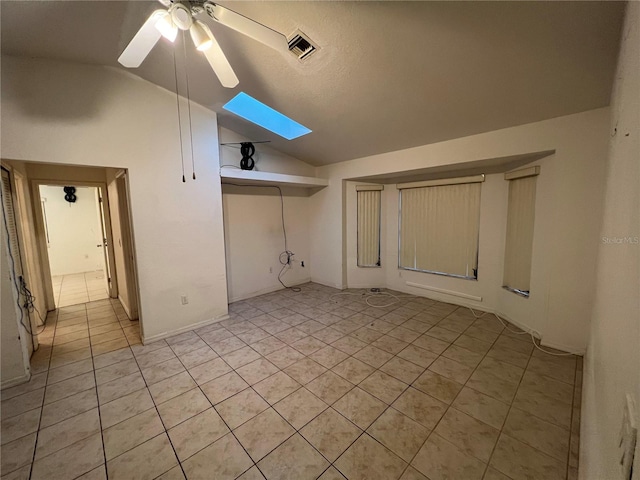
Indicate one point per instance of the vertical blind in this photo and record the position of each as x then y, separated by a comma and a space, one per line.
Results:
519, 244
439, 228
369, 199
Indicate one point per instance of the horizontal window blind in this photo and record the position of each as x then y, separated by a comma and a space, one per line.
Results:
369, 227
519, 242
439, 228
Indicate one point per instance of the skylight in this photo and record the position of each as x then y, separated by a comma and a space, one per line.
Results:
257, 112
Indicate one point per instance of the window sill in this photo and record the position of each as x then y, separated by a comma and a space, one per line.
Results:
516, 291
443, 274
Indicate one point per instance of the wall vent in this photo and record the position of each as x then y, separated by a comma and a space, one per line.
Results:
301, 46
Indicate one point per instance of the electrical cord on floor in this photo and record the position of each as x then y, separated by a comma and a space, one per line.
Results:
532, 333
30, 305
286, 253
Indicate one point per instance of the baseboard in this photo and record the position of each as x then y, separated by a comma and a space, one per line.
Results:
366, 285
330, 285
441, 297
264, 291
443, 291
188, 328
16, 381
564, 348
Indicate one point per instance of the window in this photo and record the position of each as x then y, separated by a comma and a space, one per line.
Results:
439, 225
249, 108
520, 220
369, 200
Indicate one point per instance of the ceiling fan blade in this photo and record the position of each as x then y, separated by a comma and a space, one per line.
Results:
248, 27
142, 43
219, 63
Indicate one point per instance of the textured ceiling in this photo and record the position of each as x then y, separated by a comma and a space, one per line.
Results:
389, 75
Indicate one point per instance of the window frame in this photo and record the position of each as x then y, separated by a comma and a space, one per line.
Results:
436, 183
511, 176
367, 188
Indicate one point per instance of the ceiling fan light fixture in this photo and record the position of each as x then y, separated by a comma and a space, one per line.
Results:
200, 36
166, 27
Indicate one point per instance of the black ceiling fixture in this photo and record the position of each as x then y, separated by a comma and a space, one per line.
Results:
70, 194
247, 150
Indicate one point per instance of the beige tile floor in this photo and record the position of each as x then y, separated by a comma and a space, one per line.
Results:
298, 386
79, 288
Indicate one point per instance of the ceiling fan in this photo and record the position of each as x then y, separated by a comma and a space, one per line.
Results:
184, 16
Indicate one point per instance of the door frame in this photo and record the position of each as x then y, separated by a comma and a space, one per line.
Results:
40, 232
128, 246
31, 345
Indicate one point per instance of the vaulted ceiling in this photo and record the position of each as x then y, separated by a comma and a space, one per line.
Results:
388, 75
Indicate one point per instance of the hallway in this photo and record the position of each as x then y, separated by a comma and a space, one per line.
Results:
79, 288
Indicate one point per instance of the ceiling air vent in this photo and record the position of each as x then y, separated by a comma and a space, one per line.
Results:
301, 46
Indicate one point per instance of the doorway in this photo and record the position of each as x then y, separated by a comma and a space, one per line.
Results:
75, 233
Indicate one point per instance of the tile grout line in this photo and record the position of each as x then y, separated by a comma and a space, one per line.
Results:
484, 355
212, 406
330, 406
449, 406
155, 406
507, 416
296, 431
35, 446
571, 434
95, 381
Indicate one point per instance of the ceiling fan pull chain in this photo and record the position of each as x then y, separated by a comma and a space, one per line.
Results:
175, 70
186, 72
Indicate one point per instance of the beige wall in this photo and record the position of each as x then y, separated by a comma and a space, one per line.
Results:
254, 239
253, 224
612, 363
63, 113
568, 209
74, 230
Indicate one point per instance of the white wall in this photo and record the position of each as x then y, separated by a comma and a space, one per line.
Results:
254, 239
74, 230
568, 207
75, 114
253, 224
612, 363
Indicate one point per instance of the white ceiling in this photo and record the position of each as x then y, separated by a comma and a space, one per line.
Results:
389, 75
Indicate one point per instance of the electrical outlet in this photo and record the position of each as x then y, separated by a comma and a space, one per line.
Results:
184, 299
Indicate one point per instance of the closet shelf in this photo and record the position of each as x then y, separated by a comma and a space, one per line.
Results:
252, 177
